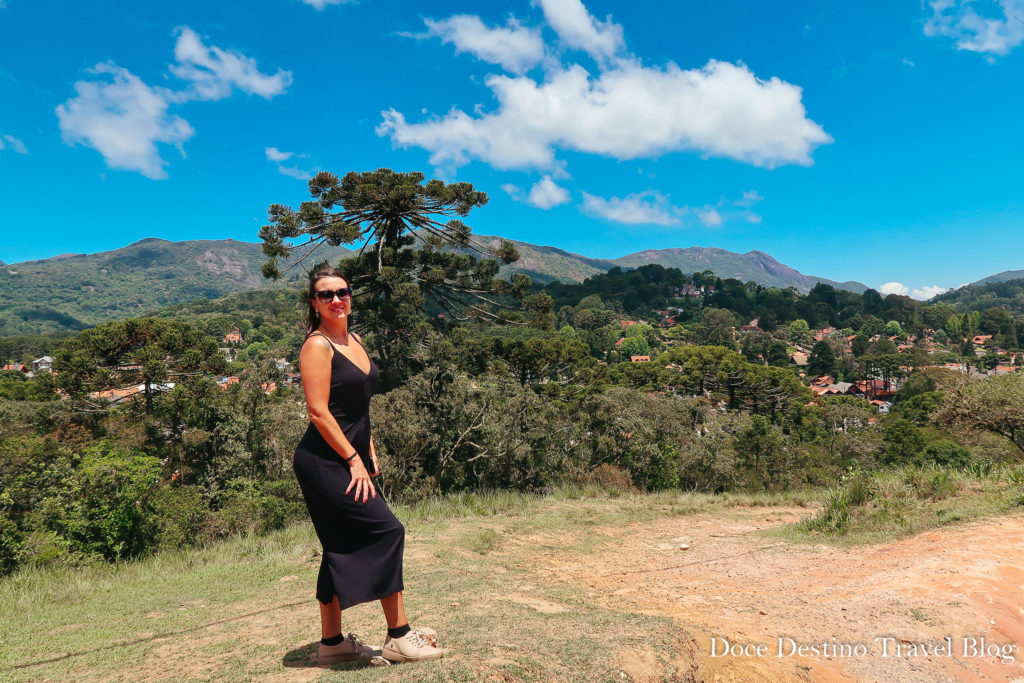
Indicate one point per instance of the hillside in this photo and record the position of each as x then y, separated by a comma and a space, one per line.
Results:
76, 291
1001, 277
544, 264
505, 580
987, 293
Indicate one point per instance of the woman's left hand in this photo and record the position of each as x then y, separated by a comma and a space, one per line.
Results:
373, 456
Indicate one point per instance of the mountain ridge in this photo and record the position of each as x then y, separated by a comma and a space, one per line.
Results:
75, 291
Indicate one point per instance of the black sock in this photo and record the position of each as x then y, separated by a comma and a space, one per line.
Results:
399, 631
336, 640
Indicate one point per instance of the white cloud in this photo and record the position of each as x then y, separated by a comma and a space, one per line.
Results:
909, 63
516, 48
627, 112
579, 29
749, 198
919, 293
277, 156
546, 194
215, 73
12, 143
639, 208
295, 172
709, 216
894, 288
927, 292
319, 5
752, 217
991, 35
122, 118
274, 154
512, 191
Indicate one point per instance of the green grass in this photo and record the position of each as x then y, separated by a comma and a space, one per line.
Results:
243, 609
881, 506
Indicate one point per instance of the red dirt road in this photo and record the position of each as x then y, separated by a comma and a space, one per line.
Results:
915, 609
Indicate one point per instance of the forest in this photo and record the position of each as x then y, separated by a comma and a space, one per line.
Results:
177, 428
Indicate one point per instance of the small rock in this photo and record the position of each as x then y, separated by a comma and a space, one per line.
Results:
761, 612
683, 546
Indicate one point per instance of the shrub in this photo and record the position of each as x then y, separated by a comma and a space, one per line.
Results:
246, 508
44, 548
835, 517
111, 513
902, 443
942, 485
947, 454
10, 545
180, 514
612, 478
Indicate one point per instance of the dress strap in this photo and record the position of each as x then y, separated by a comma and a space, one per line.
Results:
331, 341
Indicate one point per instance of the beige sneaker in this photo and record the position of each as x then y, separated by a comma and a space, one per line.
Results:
348, 650
426, 633
412, 647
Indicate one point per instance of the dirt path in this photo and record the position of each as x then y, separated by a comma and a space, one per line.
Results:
733, 583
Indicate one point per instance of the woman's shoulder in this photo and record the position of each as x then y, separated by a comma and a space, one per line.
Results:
317, 343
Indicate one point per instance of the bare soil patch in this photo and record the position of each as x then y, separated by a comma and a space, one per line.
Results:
737, 584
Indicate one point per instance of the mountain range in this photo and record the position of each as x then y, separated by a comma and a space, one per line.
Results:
551, 263
75, 291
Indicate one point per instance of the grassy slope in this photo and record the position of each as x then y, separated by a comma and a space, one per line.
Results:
244, 609
475, 569
896, 503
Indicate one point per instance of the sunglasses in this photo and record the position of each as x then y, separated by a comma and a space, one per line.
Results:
326, 296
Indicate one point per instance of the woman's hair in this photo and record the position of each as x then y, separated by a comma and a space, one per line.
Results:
312, 318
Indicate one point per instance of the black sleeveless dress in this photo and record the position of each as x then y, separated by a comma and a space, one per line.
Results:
363, 542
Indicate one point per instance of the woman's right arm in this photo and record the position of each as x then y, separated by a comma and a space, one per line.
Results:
315, 368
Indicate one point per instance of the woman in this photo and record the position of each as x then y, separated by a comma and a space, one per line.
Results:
362, 539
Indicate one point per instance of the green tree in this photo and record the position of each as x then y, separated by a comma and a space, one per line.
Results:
137, 351
778, 355
390, 212
995, 405
717, 327
902, 443
111, 511
537, 360
822, 360
954, 327
761, 449
800, 331
634, 346
860, 344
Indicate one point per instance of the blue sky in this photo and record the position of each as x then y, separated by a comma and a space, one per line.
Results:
874, 141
